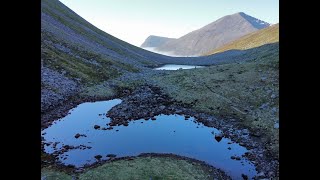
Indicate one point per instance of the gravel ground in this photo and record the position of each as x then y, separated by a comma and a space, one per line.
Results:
57, 88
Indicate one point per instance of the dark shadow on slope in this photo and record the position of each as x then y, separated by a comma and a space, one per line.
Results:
225, 57
62, 30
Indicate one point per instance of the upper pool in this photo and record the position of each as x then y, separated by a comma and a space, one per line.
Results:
166, 134
176, 67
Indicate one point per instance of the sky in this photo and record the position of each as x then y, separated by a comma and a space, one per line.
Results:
134, 20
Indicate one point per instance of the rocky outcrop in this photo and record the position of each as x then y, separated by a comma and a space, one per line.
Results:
145, 102
55, 88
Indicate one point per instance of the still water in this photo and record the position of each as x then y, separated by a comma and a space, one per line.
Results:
166, 134
176, 67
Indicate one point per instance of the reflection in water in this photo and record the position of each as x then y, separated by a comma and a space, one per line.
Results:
176, 67
167, 134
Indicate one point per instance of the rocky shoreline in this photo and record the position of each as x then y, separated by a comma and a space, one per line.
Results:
146, 102
60, 111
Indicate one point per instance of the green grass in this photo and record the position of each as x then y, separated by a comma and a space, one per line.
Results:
164, 168
146, 168
258, 38
232, 90
51, 174
77, 64
99, 90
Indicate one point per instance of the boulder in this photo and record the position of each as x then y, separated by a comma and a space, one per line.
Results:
111, 155
98, 157
218, 136
77, 135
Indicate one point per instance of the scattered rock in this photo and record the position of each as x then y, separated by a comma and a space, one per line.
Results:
70, 166
79, 170
271, 174
261, 175
229, 148
77, 135
162, 107
98, 157
274, 110
153, 118
111, 155
218, 136
96, 127
264, 106
126, 92
233, 157
245, 177
256, 134
263, 79
260, 155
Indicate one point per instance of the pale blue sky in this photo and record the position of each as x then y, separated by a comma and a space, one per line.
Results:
134, 20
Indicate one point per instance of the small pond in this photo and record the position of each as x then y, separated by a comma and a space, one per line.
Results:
176, 67
166, 134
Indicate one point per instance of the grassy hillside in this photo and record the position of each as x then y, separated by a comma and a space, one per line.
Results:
252, 40
76, 55
71, 44
246, 92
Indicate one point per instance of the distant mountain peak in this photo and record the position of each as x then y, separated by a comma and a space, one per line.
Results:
214, 35
241, 13
257, 23
155, 41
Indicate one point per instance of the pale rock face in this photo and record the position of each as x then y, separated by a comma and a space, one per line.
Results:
214, 35
155, 41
